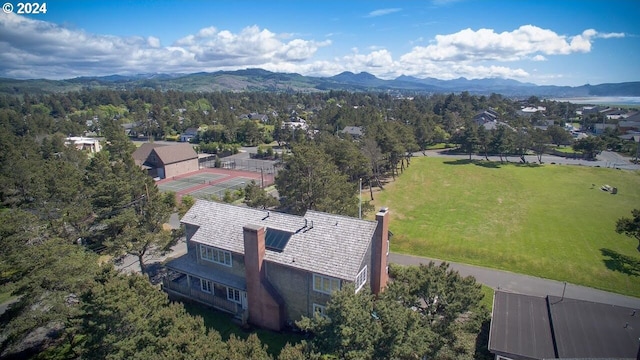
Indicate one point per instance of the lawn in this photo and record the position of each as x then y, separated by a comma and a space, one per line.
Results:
565, 149
551, 221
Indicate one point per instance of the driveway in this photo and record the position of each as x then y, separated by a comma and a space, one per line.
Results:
525, 284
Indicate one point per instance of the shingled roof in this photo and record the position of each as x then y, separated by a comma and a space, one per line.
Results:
175, 153
142, 153
322, 243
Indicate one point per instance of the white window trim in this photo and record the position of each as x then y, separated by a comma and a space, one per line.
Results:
204, 288
232, 298
319, 309
220, 254
361, 278
331, 281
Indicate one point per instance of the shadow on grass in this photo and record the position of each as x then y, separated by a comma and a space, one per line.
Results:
490, 164
621, 263
460, 162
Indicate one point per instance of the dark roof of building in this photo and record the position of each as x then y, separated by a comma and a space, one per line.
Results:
322, 243
585, 329
553, 327
175, 153
520, 325
142, 153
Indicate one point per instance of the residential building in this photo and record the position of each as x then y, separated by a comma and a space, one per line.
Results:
631, 124
166, 161
270, 268
485, 116
355, 131
551, 327
530, 110
601, 128
91, 145
188, 134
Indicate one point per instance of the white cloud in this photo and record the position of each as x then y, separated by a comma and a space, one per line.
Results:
154, 42
487, 45
36, 48
31, 48
382, 12
610, 35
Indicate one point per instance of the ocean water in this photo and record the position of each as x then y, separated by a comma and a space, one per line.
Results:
603, 100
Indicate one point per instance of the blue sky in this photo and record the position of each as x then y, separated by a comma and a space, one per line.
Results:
543, 42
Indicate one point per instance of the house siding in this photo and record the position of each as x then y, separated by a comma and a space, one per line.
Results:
180, 168
296, 288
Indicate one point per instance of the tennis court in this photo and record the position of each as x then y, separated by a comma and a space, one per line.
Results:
220, 188
180, 184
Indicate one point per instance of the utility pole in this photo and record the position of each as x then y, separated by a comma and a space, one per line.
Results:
360, 202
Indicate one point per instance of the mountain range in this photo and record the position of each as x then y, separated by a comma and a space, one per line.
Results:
263, 80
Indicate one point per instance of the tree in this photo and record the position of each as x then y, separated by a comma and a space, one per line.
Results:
372, 152
630, 226
129, 209
539, 141
125, 317
591, 146
558, 135
502, 142
522, 142
349, 330
468, 138
310, 181
420, 315
484, 140
256, 197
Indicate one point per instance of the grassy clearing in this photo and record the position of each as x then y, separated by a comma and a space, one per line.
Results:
566, 150
551, 221
487, 300
223, 323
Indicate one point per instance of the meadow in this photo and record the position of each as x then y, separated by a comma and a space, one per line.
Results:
551, 221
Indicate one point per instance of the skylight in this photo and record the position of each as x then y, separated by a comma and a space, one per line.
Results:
276, 240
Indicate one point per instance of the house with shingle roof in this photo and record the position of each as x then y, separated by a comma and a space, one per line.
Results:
355, 131
269, 268
166, 161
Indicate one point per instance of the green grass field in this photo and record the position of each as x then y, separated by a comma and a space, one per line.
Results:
551, 221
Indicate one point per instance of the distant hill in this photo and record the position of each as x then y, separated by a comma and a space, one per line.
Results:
263, 80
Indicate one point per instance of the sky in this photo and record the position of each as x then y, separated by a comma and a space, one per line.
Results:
558, 42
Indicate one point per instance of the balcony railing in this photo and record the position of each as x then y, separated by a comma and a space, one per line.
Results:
208, 299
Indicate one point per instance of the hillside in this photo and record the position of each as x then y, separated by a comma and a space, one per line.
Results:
262, 80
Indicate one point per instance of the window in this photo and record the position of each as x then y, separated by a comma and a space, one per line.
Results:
215, 255
361, 278
325, 284
320, 310
233, 295
205, 285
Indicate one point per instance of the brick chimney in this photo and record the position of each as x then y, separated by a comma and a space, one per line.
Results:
380, 244
266, 307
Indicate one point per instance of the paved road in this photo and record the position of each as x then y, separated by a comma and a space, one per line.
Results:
524, 284
607, 159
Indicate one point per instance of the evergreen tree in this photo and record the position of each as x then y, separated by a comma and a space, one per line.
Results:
310, 181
